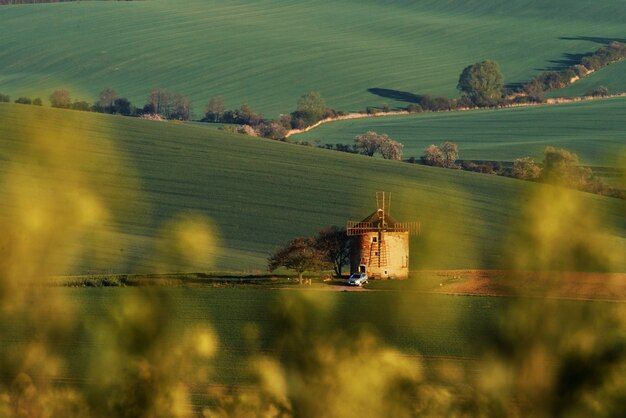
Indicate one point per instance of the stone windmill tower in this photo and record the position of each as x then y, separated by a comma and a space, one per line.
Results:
380, 245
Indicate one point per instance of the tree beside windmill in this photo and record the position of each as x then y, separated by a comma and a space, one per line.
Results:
380, 245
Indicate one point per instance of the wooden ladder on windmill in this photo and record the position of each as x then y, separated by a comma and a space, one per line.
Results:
378, 253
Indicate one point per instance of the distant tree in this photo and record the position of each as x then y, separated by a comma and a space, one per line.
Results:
534, 90
214, 109
311, 107
300, 255
272, 130
169, 105
106, 100
247, 130
368, 143
526, 169
444, 155
333, 242
390, 149
181, 107
561, 166
285, 121
482, 82
37, 101
4, 98
61, 98
159, 102
122, 106
414, 108
600, 91
246, 116
433, 156
24, 100
450, 152
81, 105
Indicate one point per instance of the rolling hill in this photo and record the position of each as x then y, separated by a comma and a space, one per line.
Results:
270, 52
595, 130
259, 193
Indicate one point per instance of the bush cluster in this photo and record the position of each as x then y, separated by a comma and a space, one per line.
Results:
562, 167
552, 80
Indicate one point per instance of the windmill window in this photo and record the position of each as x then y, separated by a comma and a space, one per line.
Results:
374, 239
375, 252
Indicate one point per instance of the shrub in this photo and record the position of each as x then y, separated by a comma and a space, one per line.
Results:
82, 105
247, 130
414, 108
272, 130
480, 167
390, 149
600, 91
4, 98
432, 156
24, 100
525, 168
61, 99
444, 155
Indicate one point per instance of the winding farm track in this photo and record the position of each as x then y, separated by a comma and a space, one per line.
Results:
588, 286
348, 116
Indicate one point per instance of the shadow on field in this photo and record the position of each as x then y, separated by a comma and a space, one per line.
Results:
403, 96
569, 59
599, 40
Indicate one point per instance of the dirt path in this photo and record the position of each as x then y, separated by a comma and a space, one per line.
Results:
548, 102
560, 285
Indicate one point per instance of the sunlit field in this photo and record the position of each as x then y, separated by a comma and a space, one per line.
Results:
595, 130
515, 305
268, 53
79, 188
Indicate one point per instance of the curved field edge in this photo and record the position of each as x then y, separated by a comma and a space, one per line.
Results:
270, 52
594, 129
261, 193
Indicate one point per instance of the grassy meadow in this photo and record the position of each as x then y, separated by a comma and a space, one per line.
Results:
270, 52
447, 333
258, 193
595, 130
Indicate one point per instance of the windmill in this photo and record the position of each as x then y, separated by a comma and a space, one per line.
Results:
380, 246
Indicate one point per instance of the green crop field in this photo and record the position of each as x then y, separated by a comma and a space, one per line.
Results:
105, 199
610, 77
270, 52
259, 193
434, 331
595, 130
440, 325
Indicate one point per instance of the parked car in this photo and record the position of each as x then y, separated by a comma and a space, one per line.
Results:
358, 279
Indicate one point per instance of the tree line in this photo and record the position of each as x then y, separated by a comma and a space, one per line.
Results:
310, 109
482, 84
166, 104
559, 167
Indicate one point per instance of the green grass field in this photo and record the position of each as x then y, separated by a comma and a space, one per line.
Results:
259, 193
270, 52
440, 325
595, 130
